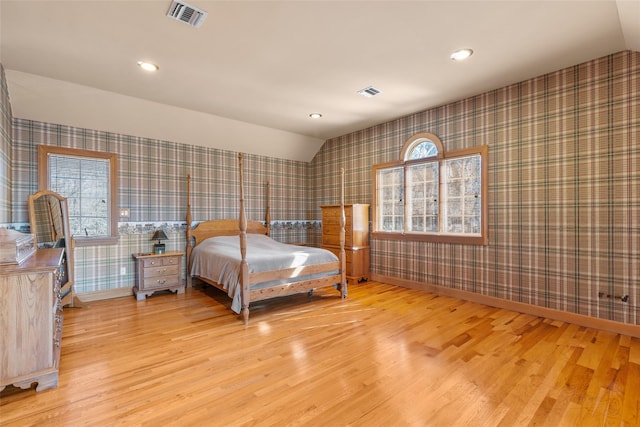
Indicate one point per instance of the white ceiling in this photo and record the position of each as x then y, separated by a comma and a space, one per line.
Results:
248, 79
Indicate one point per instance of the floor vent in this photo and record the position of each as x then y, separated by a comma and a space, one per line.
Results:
180, 11
369, 91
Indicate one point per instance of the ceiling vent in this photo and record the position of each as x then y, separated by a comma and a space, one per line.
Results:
180, 11
369, 91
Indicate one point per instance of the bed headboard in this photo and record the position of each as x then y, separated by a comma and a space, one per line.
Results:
224, 227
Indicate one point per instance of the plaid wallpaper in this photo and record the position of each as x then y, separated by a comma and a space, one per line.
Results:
153, 185
5, 150
564, 190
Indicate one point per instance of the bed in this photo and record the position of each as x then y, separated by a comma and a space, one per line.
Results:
239, 257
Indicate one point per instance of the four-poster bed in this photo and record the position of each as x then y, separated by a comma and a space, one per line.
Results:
239, 257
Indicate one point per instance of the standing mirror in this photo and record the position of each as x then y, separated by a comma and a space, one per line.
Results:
49, 220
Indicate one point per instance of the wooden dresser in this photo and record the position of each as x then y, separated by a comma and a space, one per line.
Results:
31, 321
356, 238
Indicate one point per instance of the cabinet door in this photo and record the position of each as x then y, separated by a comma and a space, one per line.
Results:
360, 225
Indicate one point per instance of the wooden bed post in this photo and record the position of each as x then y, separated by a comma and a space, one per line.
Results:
343, 255
295, 278
244, 267
189, 248
268, 215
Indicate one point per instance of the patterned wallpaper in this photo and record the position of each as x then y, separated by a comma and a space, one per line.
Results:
5, 150
564, 190
153, 185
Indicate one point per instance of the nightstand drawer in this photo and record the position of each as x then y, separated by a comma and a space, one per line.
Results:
160, 282
155, 262
168, 270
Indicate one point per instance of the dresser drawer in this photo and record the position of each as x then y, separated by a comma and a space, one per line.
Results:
331, 236
356, 238
348, 257
333, 217
336, 251
356, 261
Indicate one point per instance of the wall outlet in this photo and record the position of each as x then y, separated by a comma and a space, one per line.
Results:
123, 271
623, 298
124, 213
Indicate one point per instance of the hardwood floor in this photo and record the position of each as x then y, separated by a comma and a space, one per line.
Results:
386, 356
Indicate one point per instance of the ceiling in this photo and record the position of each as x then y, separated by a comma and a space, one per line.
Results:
249, 77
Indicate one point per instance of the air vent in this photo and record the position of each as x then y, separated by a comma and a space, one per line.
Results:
369, 91
180, 11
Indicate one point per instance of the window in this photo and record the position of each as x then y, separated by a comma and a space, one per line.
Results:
88, 179
432, 195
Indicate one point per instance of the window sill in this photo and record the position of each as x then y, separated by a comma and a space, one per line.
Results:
437, 238
95, 241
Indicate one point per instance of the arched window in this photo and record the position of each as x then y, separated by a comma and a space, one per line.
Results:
422, 146
431, 194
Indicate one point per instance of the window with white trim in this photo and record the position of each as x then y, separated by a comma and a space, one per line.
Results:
432, 195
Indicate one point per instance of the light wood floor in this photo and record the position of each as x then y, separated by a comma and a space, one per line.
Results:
386, 356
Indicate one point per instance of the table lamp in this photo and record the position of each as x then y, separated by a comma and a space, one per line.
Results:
158, 248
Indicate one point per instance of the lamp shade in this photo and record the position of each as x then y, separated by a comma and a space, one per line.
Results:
159, 235
158, 248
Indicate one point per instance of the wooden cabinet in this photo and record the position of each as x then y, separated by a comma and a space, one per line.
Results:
157, 272
356, 238
31, 321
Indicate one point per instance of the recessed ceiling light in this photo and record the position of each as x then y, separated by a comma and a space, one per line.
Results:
461, 54
148, 66
315, 115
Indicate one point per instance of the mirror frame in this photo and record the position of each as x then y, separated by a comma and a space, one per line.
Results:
67, 290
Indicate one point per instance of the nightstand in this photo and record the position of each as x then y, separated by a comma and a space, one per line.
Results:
157, 272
